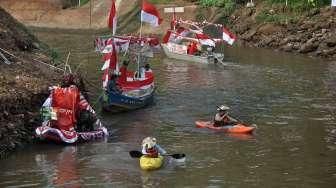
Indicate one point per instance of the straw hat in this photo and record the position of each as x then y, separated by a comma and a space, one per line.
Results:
222, 108
149, 142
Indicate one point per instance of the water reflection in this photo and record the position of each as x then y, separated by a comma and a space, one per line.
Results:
61, 170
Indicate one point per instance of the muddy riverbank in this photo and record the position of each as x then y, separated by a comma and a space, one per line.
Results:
24, 83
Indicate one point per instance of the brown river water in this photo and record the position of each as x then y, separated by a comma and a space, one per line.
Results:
291, 98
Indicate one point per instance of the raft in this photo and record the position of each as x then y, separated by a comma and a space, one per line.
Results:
69, 137
149, 163
237, 129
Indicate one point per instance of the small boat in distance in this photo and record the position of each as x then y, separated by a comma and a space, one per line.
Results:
186, 40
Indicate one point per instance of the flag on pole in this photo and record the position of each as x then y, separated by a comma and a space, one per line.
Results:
112, 20
150, 14
228, 37
110, 59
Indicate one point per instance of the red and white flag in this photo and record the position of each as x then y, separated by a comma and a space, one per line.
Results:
112, 20
205, 40
150, 14
110, 59
228, 37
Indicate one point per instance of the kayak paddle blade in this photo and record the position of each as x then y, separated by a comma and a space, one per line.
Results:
135, 154
178, 155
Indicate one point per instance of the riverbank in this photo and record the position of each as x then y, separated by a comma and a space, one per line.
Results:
23, 83
262, 26
265, 26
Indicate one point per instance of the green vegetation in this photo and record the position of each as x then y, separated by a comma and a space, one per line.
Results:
83, 2
300, 5
160, 1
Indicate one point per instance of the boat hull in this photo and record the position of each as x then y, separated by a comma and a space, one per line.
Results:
148, 163
187, 57
69, 137
236, 129
120, 103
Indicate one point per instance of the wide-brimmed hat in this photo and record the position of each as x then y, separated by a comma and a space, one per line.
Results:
149, 142
222, 108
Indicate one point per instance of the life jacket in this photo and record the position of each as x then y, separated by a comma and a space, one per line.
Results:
224, 122
65, 101
152, 152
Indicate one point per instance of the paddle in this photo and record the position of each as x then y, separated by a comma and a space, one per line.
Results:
138, 154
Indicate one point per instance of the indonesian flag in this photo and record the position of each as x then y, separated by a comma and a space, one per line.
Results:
205, 40
150, 14
112, 20
228, 37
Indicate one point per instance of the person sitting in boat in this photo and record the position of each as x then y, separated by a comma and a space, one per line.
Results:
113, 86
192, 48
222, 117
123, 72
67, 109
151, 148
147, 68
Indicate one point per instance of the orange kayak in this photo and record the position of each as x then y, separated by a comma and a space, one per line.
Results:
238, 128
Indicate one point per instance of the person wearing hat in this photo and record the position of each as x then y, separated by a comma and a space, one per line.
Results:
222, 117
151, 148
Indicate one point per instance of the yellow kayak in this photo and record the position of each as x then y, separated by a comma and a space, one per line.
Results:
149, 163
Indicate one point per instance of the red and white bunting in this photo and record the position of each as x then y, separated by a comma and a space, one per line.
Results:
205, 40
150, 14
228, 37
112, 20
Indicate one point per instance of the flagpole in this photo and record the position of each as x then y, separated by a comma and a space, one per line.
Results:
139, 55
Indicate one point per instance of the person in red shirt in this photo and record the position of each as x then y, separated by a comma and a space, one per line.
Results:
192, 48
123, 72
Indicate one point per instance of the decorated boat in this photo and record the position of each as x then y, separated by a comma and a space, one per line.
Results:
56, 135
187, 41
68, 118
123, 88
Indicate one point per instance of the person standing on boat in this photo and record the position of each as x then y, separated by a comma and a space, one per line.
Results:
151, 148
222, 117
123, 72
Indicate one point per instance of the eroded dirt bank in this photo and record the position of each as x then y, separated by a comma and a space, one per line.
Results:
23, 83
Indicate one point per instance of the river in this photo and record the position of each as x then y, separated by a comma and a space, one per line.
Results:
291, 98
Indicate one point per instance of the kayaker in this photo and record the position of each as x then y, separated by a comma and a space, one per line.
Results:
222, 117
151, 148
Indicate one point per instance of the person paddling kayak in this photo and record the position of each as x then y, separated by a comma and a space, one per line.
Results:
222, 117
151, 148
